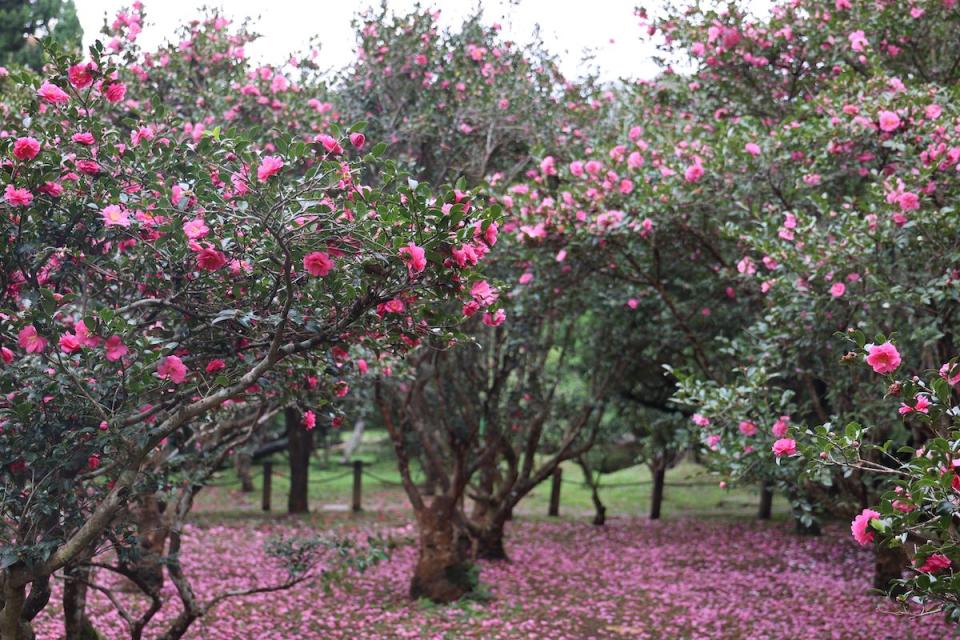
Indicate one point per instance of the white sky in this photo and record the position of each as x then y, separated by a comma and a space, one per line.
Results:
569, 27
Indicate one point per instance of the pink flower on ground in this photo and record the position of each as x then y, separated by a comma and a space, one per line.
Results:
30, 341
172, 368
269, 166
935, 562
17, 197
317, 263
415, 257
210, 259
26, 148
115, 215
889, 121
784, 447
52, 93
860, 527
115, 348
884, 358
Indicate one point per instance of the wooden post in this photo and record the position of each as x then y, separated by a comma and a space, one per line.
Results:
656, 497
267, 481
766, 501
555, 492
357, 484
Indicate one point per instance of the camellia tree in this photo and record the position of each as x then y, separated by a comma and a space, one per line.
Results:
837, 118
151, 277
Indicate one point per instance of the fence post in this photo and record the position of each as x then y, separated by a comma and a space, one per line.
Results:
555, 492
357, 484
267, 481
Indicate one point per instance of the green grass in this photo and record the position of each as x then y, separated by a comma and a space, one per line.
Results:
690, 490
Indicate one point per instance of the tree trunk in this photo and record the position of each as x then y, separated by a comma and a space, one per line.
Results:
766, 502
888, 567
442, 574
600, 516
76, 624
242, 461
12, 624
656, 498
299, 444
489, 541
151, 540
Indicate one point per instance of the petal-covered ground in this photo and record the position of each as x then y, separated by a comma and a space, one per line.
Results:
634, 578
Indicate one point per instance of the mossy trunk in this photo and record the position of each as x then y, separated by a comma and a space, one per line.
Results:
442, 573
77, 625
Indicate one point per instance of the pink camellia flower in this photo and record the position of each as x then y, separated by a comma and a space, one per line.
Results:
115, 215
357, 139
17, 197
947, 369
93, 462
748, 428
80, 75
858, 40
30, 341
784, 447
84, 137
921, 405
633, 303
362, 366
115, 92
483, 294
693, 173
781, 426
935, 562
196, 228
752, 148
713, 441
415, 257
884, 358
309, 420
115, 348
700, 420
889, 121
329, 143
87, 338
172, 368
52, 93
26, 148
6, 355
317, 263
838, 289
69, 343
215, 365
860, 527
269, 166
494, 319
210, 259
908, 201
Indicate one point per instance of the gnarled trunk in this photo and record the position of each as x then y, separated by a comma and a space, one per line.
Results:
442, 573
76, 624
766, 502
488, 540
12, 624
152, 532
